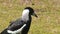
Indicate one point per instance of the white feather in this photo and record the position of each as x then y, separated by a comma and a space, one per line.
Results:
16, 31
25, 15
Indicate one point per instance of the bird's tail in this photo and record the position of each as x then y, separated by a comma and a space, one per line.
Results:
4, 31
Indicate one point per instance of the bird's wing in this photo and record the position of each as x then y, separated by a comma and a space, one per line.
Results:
16, 31
16, 26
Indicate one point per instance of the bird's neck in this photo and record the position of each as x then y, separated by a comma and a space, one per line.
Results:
26, 18
25, 15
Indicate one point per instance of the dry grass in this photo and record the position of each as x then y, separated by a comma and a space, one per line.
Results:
48, 11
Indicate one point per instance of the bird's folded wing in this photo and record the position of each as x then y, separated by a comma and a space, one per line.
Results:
16, 31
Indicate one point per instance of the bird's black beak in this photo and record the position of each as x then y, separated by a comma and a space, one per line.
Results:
35, 15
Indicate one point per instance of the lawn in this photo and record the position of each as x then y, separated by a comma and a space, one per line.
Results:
48, 11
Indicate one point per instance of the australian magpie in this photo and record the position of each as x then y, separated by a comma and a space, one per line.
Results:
22, 25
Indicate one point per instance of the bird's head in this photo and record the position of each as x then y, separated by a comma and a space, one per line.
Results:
30, 11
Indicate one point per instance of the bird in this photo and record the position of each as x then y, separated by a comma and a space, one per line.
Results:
21, 25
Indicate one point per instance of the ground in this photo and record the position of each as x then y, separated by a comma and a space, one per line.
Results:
48, 11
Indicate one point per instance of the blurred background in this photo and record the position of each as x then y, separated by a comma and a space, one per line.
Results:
48, 11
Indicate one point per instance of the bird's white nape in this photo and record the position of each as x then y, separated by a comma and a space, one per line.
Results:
25, 15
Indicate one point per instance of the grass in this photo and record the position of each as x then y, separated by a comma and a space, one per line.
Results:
48, 11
